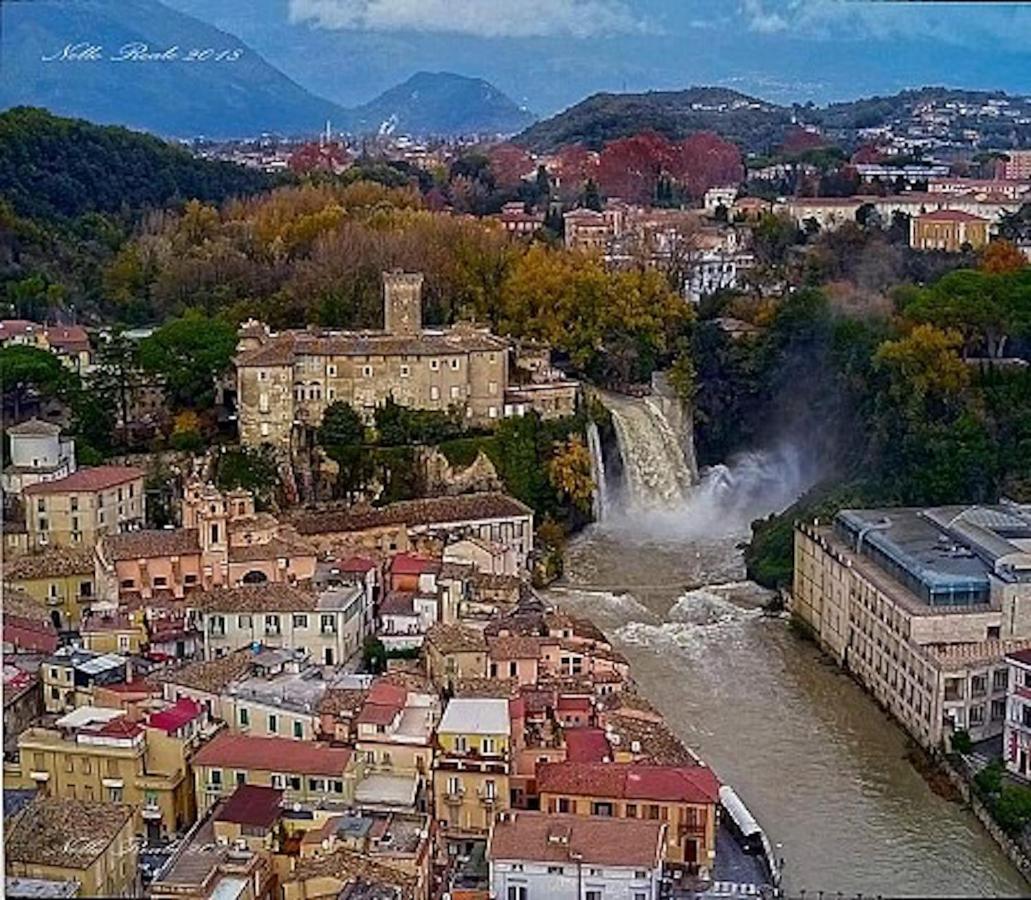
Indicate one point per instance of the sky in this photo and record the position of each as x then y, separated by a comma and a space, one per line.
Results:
548, 54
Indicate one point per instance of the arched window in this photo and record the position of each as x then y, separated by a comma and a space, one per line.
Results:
255, 577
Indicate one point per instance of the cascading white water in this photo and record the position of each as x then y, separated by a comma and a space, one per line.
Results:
656, 474
601, 485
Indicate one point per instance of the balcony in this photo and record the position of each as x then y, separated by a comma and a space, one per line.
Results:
488, 798
455, 797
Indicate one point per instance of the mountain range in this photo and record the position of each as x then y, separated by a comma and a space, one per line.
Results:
141, 64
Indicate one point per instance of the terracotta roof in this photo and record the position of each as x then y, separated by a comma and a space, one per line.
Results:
10, 327
656, 743
35, 427
412, 564
587, 745
1020, 656
254, 598
97, 478
68, 337
20, 604
360, 564
517, 646
53, 563
398, 603
342, 701
487, 687
353, 868
174, 717
276, 548
282, 349
211, 675
630, 781
49, 832
593, 840
427, 511
150, 543
252, 804
456, 638
273, 754
950, 215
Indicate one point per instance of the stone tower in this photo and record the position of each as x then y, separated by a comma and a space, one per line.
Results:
402, 302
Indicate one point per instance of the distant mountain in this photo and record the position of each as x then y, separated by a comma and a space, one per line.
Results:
760, 127
754, 124
440, 103
177, 97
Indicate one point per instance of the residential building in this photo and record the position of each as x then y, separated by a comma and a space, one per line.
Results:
921, 605
279, 615
685, 798
23, 700
393, 528
948, 229
306, 772
1011, 190
566, 857
222, 542
38, 453
80, 508
471, 769
715, 197
347, 874
114, 631
228, 853
61, 578
286, 381
516, 220
28, 626
69, 343
1016, 741
71, 676
1016, 166
79, 841
454, 652
339, 709
98, 754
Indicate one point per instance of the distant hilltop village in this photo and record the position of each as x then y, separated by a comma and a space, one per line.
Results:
286, 380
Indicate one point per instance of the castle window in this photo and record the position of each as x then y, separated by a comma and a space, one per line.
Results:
455, 363
264, 429
434, 392
455, 390
434, 365
262, 375
492, 387
331, 370
405, 371
367, 371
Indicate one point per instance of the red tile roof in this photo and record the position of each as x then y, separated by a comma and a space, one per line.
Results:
252, 804
273, 754
119, 728
410, 564
1020, 656
169, 720
97, 478
588, 839
671, 784
377, 714
587, 745
356, 564
950, 215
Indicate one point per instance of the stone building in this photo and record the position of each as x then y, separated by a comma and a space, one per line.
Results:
948, 229
921, 605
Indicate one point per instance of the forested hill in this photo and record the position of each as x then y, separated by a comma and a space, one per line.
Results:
52, 166
759, 127
754, 124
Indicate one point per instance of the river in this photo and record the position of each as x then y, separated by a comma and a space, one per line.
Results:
816, 761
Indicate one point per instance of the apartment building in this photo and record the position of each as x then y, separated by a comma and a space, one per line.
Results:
98, 754
80, 842
71, 676
79, 509
471, 769
394, 528
1016, 741
453, 653
69, 343
921, 606
279, 615
565, 857
685, 798
60, 578
306, 772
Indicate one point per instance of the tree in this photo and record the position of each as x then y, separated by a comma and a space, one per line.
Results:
115, 375
569, 471
1002, 257
189, 354
255, 469
341, 426
186, 434
27, 373
374, 655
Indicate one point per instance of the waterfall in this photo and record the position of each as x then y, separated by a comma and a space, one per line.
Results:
656, 471
601, 487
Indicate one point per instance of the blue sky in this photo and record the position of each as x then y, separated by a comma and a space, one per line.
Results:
548, 54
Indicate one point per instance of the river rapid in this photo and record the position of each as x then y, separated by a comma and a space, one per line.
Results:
816, 761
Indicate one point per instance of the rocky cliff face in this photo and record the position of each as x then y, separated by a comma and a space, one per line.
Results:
443, 479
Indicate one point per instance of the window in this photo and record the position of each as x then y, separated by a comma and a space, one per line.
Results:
293, 782
328, 624
601, 809
316, 785
331, 370
454, 785
273, 723
516, 892
631, 810
492, 412
277, 780
160, 581
298, 729
367, 371
243, 622
492, 387
434, 367
264, 429
241, 778
977, 714
216, 776
74, 504
272, 624
513, 669
1000, 679
263, 404
455, 363
460, 743
338, 787
300, 621
490, 789
565, 805
487, 746
245, 717
406, 371
41, 505
978, 685
998, 710
114, 794
456, 392
434, 392
640, 874
555, 870
86, 589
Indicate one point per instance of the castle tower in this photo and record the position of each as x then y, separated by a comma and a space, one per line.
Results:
402, 302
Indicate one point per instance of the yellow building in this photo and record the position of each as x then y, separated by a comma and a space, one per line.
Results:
88, 842
95, 754
948, 229
59, 577
684, 797
76, 511
114, 632
471, 769
71, 676
306, 772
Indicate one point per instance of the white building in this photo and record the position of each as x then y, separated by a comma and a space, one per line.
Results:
715, 197
38, 453
1016, 740
716, 270
535, 855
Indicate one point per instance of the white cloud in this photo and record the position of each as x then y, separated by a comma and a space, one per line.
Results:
481, 18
